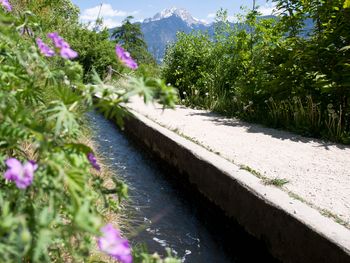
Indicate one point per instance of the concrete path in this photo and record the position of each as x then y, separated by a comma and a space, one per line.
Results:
317, 172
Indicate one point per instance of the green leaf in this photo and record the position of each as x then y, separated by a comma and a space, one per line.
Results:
79, 147
65, 120
86, 220
346, 48
138, 86
42, 243
347, 4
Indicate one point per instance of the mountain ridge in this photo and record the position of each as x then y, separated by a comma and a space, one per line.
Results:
160, 30
174, 11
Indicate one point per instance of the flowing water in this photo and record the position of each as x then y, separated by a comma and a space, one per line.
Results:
164, 213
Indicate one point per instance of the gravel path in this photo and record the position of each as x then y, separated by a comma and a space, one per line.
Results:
317, 171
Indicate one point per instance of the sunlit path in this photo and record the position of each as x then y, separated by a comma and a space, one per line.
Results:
317, 171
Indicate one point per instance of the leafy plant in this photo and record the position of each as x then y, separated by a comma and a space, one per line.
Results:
50, 182
270, 71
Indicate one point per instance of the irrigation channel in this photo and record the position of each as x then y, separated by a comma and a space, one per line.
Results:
167, 213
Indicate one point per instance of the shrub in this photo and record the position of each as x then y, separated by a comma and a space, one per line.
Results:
269, 71
48, 191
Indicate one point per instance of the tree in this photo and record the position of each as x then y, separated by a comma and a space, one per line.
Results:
130, 36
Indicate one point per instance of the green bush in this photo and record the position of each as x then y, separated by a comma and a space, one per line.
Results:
48, 196
268, 71
96, 51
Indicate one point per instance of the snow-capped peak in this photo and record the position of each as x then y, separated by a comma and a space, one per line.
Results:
173, 11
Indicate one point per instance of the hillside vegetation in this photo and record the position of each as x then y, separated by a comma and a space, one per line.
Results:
270, 72
54, 197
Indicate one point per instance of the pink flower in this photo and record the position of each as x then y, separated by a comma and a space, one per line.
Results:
6, 4
57, 40
125, 57
114, 245
65, 49
92, 159
68, 53
22, 175
44, 49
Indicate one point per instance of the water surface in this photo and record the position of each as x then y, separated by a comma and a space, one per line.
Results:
164, 213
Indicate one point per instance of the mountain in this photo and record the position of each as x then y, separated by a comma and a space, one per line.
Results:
177, 12
161, 30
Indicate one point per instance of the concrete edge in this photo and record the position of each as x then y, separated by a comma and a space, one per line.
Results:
292, 231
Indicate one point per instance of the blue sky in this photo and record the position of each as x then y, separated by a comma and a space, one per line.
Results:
114, 11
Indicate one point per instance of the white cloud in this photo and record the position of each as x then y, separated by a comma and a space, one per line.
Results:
106, 11
212, 15
204, 21
110, 23
111, 17
267, 9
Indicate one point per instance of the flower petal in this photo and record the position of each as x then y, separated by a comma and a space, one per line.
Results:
15, 168
44, 49
22, 175
13, 163
6, 4
10, 175
114, 245
125, 57
68, 53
